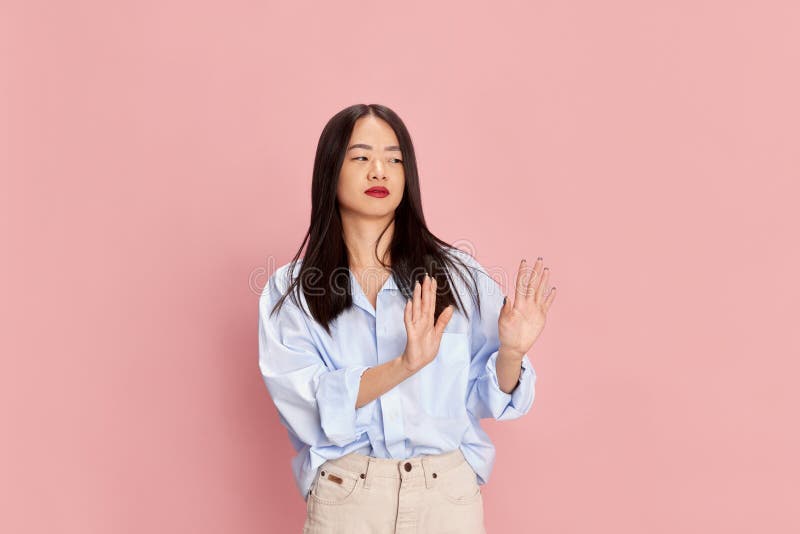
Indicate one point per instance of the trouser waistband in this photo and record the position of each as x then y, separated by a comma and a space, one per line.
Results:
428, 466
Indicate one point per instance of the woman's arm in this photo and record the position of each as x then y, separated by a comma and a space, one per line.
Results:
503, 386
423, 337
379, 379
316, 403
509, 370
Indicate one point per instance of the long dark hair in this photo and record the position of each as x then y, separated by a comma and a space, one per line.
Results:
414, 249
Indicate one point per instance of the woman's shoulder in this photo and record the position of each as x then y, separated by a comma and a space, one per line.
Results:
489, 281
475, 270
279, 281
281, 276
465, 256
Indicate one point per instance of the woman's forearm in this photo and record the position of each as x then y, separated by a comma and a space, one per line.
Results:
509, 369
377, 380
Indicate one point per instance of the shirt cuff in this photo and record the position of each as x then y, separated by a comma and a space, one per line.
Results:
504, 405
341, 421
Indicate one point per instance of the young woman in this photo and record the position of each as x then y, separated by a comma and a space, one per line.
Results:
379, 366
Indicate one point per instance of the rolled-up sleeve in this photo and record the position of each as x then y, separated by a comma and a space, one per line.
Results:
485, 398
315, 402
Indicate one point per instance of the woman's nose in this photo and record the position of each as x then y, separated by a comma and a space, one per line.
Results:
377, 170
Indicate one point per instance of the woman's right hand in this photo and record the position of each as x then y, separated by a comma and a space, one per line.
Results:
423, 336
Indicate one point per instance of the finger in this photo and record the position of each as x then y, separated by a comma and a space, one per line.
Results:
432, 301
444, 318
426, 297
519, 289
417, 303
549, 300
542, 284
535, 279
407, 314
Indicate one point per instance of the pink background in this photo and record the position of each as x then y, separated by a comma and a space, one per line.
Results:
156, 162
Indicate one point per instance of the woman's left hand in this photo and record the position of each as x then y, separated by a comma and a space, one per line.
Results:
521, 323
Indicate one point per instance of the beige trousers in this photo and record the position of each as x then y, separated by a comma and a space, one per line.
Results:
427, 494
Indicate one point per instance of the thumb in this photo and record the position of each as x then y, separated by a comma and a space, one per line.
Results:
444, 318
505, 307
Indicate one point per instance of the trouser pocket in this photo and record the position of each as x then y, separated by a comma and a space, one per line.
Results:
459, 485
334, 485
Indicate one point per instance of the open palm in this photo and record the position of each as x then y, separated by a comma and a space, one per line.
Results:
423, 335
520, 323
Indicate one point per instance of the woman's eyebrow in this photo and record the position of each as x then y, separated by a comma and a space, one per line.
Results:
369, 147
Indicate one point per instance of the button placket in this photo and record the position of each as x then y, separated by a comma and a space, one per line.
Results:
393, 425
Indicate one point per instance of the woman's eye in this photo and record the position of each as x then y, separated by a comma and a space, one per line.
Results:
398, 160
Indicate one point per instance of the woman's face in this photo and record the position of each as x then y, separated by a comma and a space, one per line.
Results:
372, 160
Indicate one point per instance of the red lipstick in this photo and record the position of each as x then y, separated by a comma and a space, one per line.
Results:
377, 191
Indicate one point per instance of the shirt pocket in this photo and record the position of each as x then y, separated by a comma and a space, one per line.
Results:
443, 382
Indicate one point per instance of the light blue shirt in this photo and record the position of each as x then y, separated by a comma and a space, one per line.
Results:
314, 378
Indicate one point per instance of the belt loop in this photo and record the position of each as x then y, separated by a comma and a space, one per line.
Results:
428, 468
367, 476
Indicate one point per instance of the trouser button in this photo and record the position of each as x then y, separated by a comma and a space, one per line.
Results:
408, 466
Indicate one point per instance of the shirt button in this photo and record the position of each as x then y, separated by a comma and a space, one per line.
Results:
408, 466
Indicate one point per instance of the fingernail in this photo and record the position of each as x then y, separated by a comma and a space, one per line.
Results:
539, 258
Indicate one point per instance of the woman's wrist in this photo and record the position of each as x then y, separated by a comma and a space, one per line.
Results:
506, 354
401, 370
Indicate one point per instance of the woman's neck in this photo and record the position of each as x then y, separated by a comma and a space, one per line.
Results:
360, 235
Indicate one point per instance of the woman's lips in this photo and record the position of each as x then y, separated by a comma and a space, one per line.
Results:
378, 192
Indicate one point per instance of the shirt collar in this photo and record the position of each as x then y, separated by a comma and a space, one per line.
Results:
360, 299
388, 284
